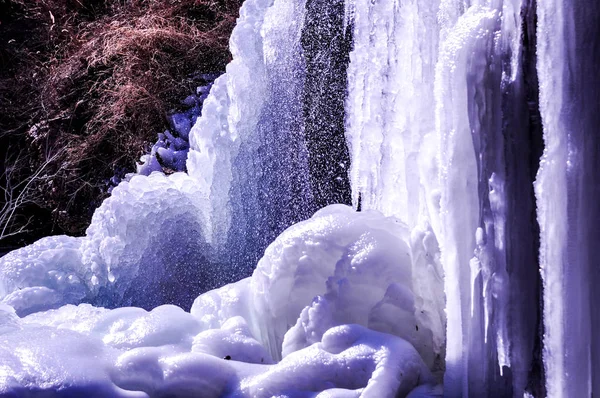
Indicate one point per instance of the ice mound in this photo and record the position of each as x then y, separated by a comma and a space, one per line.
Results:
339, 267
46, 274
148, 235
128, 352
330, 310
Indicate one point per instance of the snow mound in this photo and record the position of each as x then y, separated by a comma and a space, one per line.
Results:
330, 310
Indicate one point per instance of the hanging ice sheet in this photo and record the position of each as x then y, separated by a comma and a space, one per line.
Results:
248, 151
435, 91
567, 189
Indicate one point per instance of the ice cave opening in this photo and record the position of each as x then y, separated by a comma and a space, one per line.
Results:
383, 198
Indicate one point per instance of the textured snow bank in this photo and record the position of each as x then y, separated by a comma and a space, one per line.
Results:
147, 237
306, 301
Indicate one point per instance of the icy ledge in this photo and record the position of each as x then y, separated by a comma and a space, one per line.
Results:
334, 296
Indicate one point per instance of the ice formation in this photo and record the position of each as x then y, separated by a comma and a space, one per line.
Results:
149, 235
317, 283
169, 153
337, 268
440, 135
567, 194
449, 105
248, 152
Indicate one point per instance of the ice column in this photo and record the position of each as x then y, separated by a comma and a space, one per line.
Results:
567, 189
390, 97
389, 121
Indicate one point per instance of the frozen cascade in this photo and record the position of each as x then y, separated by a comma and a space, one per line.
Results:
392, 64
439, 130
282, 96
258, 186
567, 189
439, 272
248, 167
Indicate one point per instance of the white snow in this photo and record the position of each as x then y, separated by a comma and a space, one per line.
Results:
317, 283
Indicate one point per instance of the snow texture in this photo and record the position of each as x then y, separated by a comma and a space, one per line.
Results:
314, 288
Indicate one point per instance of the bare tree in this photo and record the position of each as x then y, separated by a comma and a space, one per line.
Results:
20, 188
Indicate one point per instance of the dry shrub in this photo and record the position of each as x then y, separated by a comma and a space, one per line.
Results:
95, 80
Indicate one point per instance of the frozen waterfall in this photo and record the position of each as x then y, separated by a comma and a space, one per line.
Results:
432, 95
567, 188
464, 135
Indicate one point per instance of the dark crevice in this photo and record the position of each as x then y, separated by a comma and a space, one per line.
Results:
524, 146
327, 44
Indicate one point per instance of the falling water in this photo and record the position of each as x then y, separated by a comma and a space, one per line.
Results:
435, 112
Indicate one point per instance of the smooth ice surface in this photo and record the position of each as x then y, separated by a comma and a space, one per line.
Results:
317, 283
567, 194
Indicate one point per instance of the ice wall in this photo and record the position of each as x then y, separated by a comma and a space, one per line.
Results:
567, 189
270, 148
437, 100
146, 246
390, 97
247, 151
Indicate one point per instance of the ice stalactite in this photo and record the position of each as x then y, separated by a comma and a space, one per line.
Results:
460, 215
567, 189
390, 89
